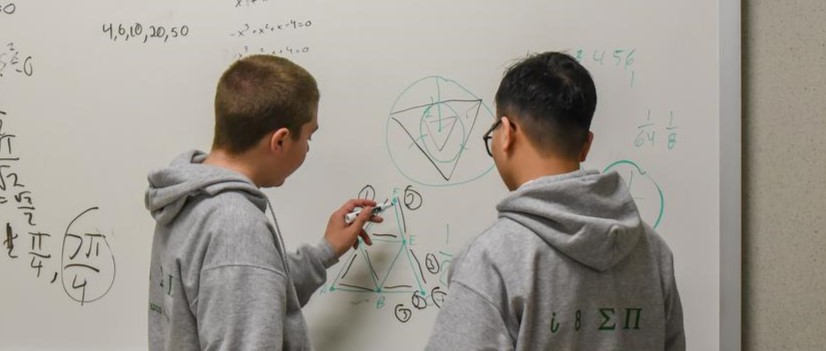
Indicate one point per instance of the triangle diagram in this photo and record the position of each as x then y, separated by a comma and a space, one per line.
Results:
356, 274
386, 266
440, 135
440, 130
404, 275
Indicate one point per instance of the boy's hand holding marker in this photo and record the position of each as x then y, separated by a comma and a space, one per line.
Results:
346, 224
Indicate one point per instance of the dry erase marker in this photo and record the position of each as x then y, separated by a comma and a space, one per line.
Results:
350, 217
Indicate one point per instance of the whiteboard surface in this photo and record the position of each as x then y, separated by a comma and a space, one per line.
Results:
94, 94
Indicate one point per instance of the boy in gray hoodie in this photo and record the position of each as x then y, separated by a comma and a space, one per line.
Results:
220, 277
568, 264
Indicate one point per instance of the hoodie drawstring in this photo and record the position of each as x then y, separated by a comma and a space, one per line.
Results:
279, 238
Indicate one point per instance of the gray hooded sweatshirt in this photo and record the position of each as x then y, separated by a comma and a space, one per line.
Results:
220, 279
568, 265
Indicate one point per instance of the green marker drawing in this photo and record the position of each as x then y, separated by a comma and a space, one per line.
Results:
640, 183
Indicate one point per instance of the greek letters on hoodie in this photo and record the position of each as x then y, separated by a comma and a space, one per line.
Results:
568, 265
219, 278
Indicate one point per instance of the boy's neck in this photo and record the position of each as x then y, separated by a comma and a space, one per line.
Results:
536, 167
235, 162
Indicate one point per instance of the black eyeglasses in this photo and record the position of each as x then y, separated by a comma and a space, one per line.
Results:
486, 138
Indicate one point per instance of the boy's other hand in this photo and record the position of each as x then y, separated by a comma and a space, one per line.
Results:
341, 235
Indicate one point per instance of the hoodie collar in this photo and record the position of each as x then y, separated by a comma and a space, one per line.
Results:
586, 215
186, 177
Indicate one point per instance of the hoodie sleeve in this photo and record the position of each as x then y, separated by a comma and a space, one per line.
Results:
308, 268
468, 321
674, 331
234, 318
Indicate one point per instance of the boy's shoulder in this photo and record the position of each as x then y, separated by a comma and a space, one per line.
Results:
234, 230
229, 208
658, 247
500, 247
504, 238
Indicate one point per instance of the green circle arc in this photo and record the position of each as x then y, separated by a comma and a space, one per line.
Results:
645, 173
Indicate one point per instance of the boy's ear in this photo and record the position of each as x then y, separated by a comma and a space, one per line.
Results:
508, 130
583, 154
277, 138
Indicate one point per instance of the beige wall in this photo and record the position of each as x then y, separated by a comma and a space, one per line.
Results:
784, 175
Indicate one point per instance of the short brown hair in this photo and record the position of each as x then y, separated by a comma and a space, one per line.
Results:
259, 94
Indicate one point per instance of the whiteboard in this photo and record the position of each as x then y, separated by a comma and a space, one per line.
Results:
94, 94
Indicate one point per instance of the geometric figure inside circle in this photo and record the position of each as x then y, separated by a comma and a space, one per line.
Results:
431, 126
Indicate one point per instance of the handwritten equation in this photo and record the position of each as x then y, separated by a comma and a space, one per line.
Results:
86, 263
287, 45
280, 51
249, 30
13, 61
243, 34
248, 3
289, 33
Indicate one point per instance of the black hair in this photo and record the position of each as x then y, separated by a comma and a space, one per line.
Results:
552, 98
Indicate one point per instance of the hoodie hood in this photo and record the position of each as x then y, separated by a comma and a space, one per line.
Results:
588, 216
186, 177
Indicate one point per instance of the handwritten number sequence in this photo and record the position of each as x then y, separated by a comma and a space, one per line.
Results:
140, 32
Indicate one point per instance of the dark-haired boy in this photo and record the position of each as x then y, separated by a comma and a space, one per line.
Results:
569, 264
220, 277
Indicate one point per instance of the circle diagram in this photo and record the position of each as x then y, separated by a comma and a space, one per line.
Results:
434, 133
